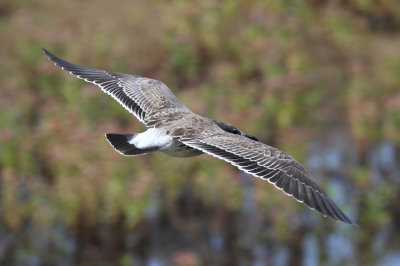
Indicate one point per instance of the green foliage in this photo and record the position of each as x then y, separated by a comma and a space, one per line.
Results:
375, 214
277, 69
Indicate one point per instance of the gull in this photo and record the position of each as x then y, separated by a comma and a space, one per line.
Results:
177, 131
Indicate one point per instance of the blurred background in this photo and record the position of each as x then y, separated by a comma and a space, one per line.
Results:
317, 79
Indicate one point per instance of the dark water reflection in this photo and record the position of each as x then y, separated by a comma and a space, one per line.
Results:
241, 242
384, 165
339, 246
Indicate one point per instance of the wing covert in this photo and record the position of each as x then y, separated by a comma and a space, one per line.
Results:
141, 96
271, 164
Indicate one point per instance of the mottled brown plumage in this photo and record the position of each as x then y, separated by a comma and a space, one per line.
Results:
177, 131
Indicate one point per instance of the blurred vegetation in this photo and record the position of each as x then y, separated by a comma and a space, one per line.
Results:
285, 71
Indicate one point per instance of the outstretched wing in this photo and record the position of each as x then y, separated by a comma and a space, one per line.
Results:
141, 96
268, 163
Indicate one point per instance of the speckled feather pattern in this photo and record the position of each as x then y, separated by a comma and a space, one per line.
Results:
140, 96
152, 102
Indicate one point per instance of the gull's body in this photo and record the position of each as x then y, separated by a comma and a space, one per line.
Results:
176, 131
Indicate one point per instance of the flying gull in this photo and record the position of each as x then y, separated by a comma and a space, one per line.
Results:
177, 131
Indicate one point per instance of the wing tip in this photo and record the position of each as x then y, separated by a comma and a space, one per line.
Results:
337, 214
46, 52
348, 221
57, 61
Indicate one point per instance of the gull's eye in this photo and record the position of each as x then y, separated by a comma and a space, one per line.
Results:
235, 131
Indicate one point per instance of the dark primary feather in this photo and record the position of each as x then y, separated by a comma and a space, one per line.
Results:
107, 81
272, 165
148, 99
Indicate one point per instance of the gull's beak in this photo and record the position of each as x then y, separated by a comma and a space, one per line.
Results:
251, 137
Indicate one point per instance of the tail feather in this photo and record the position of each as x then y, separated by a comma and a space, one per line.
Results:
120, 142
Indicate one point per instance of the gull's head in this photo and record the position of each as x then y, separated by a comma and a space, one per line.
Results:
234, 130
